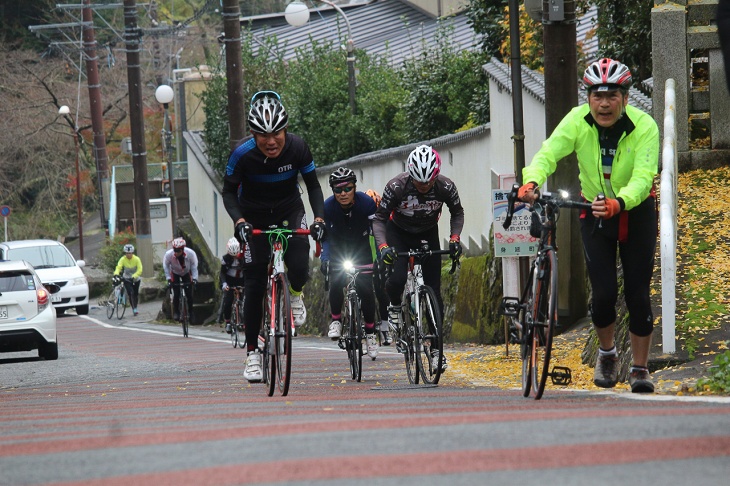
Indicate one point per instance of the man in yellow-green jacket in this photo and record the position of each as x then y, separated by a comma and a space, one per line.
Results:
131, 266
617, 147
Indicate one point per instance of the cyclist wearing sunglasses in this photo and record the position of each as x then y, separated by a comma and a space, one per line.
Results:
348, 213
409, 213
260, 189
617, 147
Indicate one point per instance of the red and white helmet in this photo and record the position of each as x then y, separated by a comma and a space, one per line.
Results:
178, 243
233, 247
607, 74
424, 164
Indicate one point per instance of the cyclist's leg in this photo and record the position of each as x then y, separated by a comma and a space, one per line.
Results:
400, 240
296, 257
432, 267
255, 277
364, 287
337, 298
189, 294
227, 301
135, 298
175, 296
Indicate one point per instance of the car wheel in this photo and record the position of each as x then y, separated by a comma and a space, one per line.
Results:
48, 351
82, 310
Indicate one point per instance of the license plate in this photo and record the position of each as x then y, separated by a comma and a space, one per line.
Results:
3, 312
55, 298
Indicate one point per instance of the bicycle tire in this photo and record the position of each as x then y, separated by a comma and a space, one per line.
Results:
544, 323
283, 337
409, 333
526, 320
122, 302
355, 332
241, 328
428, 336
111, 303
184, 312
264, 343
234, 325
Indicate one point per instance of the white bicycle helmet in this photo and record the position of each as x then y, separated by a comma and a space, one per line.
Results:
607, 74
267, 115
233, 247
128, 248
178, 243
342, 176
424, 164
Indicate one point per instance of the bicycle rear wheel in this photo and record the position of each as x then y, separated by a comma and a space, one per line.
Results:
428, 336
354, 337
111, 303
122, 302
409, 336
283, 337
544, 322
234, 326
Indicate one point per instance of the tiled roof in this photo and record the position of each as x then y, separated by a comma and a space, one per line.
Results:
387, 28
534, 84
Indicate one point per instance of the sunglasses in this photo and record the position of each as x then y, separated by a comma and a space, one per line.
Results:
177, 250
338, 190
264, 94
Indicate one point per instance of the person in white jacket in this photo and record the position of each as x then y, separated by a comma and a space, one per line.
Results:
181, 265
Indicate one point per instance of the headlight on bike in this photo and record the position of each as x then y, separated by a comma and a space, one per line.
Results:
348, 266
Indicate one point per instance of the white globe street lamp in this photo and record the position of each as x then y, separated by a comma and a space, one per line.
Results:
164, 95
64, 111
297, 14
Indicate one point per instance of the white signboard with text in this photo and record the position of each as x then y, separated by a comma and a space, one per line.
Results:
516, 240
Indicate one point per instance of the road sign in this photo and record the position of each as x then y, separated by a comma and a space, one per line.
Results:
515, 241
5, 211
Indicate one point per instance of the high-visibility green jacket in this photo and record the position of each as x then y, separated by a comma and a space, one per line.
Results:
634, 165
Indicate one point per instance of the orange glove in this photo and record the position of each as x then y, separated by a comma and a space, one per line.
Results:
610, 208
527, 192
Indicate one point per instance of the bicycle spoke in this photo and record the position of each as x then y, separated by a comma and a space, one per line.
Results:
546, 307
428, 336
410, 339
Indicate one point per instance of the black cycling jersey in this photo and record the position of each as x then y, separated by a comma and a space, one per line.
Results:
348, 231
415, 212
257, 184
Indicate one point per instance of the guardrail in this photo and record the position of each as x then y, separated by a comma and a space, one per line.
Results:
668, 220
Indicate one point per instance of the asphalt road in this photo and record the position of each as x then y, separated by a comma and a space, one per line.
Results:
135, 403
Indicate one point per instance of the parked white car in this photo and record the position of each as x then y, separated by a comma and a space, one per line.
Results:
27, 318
54, 264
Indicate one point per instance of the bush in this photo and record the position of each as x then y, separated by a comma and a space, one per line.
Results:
109, 255
719, 380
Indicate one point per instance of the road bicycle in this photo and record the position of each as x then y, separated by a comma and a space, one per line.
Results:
421, 335
238, 337
352, 320
117, 301
533, 318
277, 323
183, 311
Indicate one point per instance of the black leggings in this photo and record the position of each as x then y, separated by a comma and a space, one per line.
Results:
132, 287
402, 240
296, 259
637, 258
363, 285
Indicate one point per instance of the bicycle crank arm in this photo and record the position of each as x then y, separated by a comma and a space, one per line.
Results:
561, 375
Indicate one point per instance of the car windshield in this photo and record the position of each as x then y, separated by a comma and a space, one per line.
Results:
47, 256
16, 282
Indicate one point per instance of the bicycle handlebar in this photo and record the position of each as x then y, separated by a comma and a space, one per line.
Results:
557, 200
285, 231
423, 253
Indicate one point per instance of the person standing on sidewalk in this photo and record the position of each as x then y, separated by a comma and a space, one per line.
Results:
260, 190
617, 147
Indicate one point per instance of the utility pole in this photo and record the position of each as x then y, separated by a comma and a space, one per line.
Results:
234, 71
143, 228
561, 95
97, 119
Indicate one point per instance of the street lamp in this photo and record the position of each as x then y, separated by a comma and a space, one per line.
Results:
297, 14
64, 111
164, 95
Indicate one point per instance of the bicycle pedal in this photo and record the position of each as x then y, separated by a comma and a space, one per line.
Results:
561, 375
509, 307
341, 344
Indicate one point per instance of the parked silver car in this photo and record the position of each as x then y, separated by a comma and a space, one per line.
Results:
54, 264
27, 318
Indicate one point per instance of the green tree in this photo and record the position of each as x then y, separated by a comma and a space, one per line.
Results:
624, 33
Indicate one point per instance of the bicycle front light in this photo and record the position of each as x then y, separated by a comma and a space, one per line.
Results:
564, 194
348, 266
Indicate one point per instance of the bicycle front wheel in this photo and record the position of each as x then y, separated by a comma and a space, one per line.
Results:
184, 318
354, 339
111, 303
122, 302
545, 319
429, 341
409, 336
241, 332
283, 335
234, 327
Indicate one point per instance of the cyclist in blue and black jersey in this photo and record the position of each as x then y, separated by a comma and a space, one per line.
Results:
259, 190
347, 214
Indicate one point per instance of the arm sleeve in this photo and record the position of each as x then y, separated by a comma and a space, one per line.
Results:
194, 265
646, 165
316, 197
166, 264
138, 273
120, 264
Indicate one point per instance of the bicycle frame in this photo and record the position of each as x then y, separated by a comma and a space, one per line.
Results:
351, 339
534, 316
